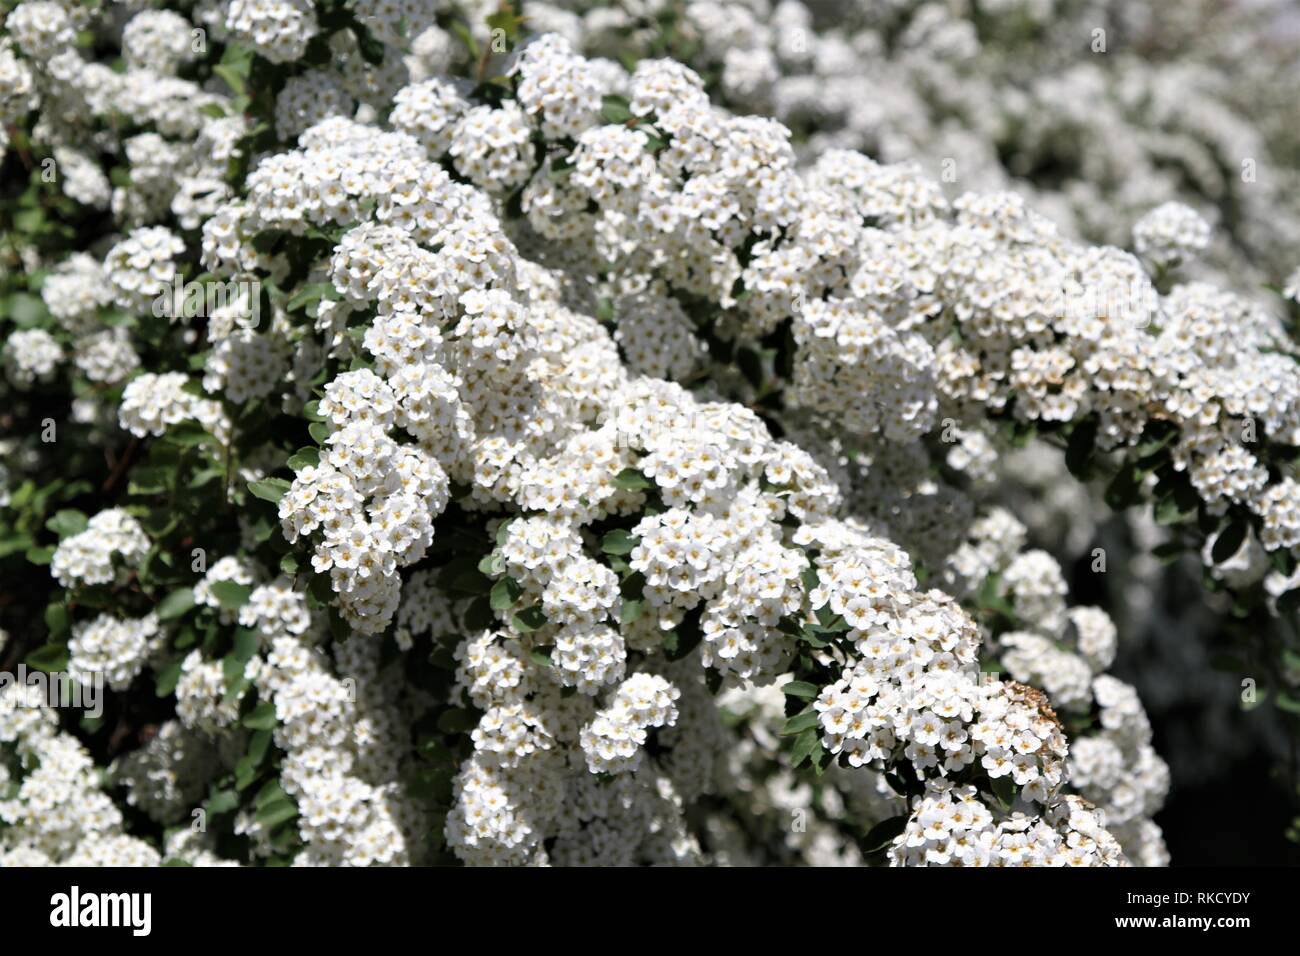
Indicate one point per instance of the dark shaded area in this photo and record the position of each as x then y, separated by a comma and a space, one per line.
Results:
1237, 819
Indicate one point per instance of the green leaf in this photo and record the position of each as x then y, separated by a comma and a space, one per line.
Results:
632, 479
235, 677
319, 431
801, 688
619, 541
1078, 453
751, 365
188, 435
1169, 552
271, 792
462, 575
799, 723
221, 801
231, 76
261, 717
457, 720
1289, 602
1149, 447
12, 544
1229, 540
246, 644
884, 833
56, 620
205, 477
1288, 703
529, 619
269, 489
678, 643
49, 658
1124, 489
305, 458
1004, 788
1179, 504
615, 109
25, 309
67, 522
175, 604
311, 294
165, 680
504, 593
805, 745
149, 480
245, 772
230, 594
276, 812
631, 610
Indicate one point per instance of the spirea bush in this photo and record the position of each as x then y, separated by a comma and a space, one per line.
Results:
439, 435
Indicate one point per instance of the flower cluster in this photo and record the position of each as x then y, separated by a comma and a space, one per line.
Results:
87, 557
596, 432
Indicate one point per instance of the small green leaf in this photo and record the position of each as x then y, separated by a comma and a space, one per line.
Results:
222, 801
246, 644
1289, 602
49, 658
1288, 703
615, 109
305, 458
504, 593
1177, 505
269, 489
801, 688
1078, 453
311, 294
1169, 552
457, 720
884, 833
805, 745
529, 619
631, 610
631, 479
165, 680
1004, 788
261, 717
230, 594
67, 522
1229, 540
1124, 488
275, 812
619, 541
175, 604
56, 620
799, 723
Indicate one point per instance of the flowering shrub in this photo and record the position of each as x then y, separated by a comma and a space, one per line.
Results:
440, 445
